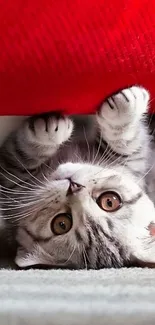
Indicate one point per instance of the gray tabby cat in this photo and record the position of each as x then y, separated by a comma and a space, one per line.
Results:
81, 198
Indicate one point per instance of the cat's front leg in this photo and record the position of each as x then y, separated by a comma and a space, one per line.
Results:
37, 139
46, 133
121, 120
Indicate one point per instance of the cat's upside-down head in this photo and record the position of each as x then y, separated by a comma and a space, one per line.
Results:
87, 216
83, 213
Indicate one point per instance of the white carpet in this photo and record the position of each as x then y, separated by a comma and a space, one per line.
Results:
105, 297
59, 297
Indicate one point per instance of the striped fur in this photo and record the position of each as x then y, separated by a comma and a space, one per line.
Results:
109, 151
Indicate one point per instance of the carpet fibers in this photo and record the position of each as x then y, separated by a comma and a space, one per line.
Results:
58, 297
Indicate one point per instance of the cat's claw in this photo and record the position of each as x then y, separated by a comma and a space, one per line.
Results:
124, 106
50, 129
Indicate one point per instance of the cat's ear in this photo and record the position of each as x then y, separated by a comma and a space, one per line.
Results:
26, 259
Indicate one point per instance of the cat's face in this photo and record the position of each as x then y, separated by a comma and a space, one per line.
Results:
87, 216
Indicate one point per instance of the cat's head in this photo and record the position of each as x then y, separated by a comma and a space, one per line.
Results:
87, 216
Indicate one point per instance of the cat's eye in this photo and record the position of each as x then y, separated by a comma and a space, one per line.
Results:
109, 201
61, 224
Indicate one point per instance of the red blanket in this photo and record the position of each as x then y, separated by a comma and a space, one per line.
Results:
70, 54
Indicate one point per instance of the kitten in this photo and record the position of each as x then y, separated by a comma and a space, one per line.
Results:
78, 190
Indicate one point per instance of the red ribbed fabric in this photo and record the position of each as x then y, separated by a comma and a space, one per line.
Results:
70, 54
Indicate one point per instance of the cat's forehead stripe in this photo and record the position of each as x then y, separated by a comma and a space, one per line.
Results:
134, 199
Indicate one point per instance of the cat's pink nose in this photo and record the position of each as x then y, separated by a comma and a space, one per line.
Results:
152, 229
74, 188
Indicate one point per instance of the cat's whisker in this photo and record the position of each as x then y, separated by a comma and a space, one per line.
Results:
108, 157
98, 150
47, 166
88, 147
72, 253
84, 258
20, 194
146, 173
25, 205
22, 200
20, 216
35, 200
88, 259
16, 191
12, 181
23, 196
79, 158
10, 198
114, 161
13, 175
47, 180
105, 153
111, 164
31, 175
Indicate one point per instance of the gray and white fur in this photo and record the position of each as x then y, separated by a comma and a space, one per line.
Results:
57, 171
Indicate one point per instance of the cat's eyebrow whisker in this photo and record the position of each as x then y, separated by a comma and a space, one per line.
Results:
114, 161
107, 157
112, 157
108, 166
105, 153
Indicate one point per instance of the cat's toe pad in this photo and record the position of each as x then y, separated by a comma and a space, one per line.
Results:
50, 129
125, 105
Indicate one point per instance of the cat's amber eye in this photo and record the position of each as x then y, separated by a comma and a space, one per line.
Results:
61, 224
109, 201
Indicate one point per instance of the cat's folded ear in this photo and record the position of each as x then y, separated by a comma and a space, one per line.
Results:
26, 259
30, 253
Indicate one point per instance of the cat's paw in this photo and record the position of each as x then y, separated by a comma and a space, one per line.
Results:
125, 106
49, 129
